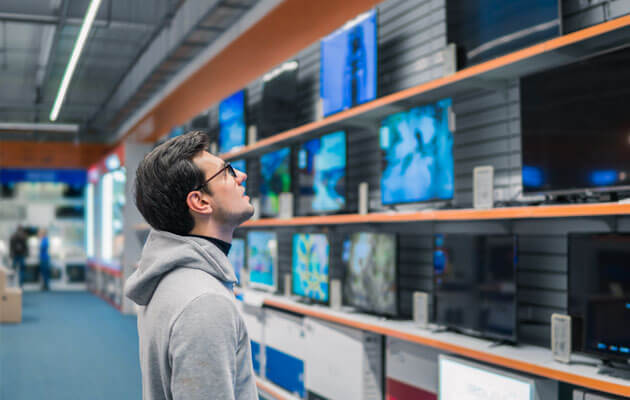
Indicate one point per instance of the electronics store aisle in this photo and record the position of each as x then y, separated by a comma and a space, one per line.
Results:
70, 345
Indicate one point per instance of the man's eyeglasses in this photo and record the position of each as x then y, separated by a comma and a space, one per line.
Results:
227, 167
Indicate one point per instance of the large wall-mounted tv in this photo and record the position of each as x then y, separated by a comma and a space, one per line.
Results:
279, 106
417, 148
348, 64
237, 257
275, 178
599, 293
576, 126
371, 278
232, 126
475, 284
262, 260
322, 174
311, 266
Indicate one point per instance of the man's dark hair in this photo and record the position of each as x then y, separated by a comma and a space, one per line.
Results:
165, 177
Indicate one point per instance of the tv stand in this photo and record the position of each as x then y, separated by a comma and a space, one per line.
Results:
611, 368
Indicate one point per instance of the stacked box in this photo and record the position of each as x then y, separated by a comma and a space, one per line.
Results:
10, 300
411, 371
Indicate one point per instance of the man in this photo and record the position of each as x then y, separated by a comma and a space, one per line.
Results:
193, 341
44, 259
18, 251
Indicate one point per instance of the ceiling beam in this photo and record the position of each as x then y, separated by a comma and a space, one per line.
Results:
54, 20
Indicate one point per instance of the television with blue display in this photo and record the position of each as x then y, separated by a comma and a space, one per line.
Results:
417, 147
262, 260
371, 278
177, 131
348, 64
575, 126
310, 267
275, 178
237, 257
322, 174
241, 166
279, 106
232, 127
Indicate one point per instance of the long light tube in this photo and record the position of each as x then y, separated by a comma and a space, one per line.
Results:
74, 58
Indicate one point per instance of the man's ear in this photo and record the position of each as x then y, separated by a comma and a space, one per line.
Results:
198, 202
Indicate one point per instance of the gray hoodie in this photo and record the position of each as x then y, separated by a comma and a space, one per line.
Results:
193, 341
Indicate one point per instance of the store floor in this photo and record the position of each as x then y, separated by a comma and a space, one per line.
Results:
70, 345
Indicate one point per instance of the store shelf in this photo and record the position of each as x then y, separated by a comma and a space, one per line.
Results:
272, 390
530, 212
106, 269
525, 358
495, 73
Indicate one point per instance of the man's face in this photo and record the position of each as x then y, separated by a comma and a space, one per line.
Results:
229, 203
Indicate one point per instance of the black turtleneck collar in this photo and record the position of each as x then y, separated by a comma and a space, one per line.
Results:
223, 246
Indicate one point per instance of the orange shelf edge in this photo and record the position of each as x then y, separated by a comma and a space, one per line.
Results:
270, 390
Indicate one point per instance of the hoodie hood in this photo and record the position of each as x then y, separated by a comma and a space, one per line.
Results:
164, 252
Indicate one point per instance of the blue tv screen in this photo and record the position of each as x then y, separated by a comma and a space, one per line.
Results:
417, 150
241, 166
275, 174
232, 122
322, 174
237, 257
262, 259
310, 269
348, 64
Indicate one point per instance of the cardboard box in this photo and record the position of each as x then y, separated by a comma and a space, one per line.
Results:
4, 278
411, 371
11, 305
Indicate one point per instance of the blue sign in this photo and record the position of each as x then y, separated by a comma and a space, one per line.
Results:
75, 177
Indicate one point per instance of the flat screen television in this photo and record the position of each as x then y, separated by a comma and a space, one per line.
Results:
311, 265
599, 293
475, 284
417, 147
575, 126
262, 260
200, 122
177, 131
371, 277
275, 178
237, 257
232, 127
322, 174
485, 29
279, 106
348, 64
240, 165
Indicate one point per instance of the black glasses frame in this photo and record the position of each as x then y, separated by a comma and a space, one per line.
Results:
227, 167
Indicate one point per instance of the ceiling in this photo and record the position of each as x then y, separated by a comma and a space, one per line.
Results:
131, 53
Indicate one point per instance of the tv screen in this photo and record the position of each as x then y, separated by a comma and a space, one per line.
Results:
575, 126
237, 257
241, 166
275, 174
475, 284
310, 269
201, 122
177, 131
348, 64
279, 106
232, 129
486, 29
599, 293
262, 260
417, 148
370, 282
322, 174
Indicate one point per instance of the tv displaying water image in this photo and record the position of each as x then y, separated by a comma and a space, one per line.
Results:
232, 129
275, 174
348, 64
322, 174
262, 259
310, 269
370, 279
237, 257
417, 148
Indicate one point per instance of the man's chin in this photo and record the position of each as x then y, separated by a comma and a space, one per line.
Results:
246, 215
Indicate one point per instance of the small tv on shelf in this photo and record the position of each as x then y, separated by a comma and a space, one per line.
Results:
348, 64
371, 277
232, 126
575, 126
311, 266
279, 105
322, 174
417, 147
599, 293
262, 260
475, 284
237, 257
275, 178
240, 165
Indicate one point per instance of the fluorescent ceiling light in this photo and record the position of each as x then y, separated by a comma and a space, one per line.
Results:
74, 58
38, 127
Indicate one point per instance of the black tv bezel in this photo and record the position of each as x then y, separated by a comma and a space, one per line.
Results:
260, 286
376, 68
291, 177
261, 129
245, 116
312, 212
346, 266
470, 331
308, 298
582, 333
